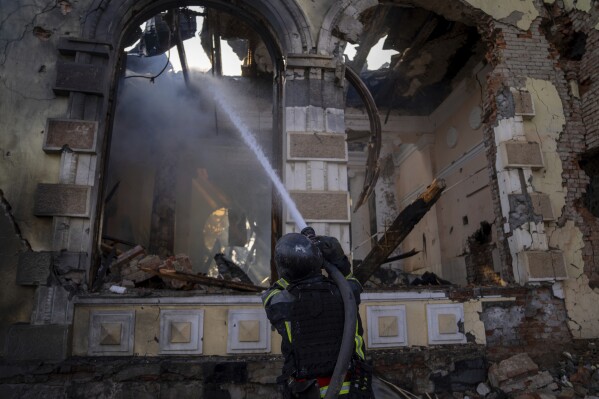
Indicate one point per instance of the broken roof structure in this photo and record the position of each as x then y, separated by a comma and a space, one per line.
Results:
450, 146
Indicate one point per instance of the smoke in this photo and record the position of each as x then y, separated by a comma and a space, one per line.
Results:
221, 97
175, 147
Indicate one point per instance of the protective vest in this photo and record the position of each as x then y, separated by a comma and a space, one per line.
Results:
315, 328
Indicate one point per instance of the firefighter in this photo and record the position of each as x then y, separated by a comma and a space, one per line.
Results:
307, 310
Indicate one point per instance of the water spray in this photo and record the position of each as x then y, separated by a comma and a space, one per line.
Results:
250, 140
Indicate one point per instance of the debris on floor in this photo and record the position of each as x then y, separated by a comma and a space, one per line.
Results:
135, 268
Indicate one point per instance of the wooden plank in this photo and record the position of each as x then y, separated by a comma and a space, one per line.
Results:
399, 230
195, 278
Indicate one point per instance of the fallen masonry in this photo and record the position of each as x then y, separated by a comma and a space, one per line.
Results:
135, 268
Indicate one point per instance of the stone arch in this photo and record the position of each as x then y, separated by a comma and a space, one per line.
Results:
285, 20
348, 11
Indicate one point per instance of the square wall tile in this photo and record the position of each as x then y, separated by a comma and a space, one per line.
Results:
445, 323
111, 333
386, 326
181, 332
248, 331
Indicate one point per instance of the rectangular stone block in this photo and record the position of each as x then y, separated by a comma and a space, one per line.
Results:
335, 120
518, 366
52, 306
322, 205
445, 323
38, 342
559, 265
544, 265
388, 326
78, 135
181, 331
307, 145
111, 333
517, 154
541, 204
73, 76
68, 45
62, 200
524, 104
310, 61
539, 264
34, 268
249, 331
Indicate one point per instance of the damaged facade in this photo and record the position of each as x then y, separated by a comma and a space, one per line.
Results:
136, 222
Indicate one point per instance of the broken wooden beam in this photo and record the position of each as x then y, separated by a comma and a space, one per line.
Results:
127, 256
399, 230
404, 255
195, 278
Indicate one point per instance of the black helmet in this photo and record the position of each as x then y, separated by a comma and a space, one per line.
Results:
296, 257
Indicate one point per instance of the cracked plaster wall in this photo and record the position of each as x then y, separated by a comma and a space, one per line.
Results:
580, 299
546, 127
474, 326
16, 302
27, 74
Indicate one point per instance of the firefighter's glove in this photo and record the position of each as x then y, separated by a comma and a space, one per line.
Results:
333, 253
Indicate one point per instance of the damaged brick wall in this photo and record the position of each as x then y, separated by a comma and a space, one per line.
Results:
479, 261
535, 321
492, 110
516, 56
586, 108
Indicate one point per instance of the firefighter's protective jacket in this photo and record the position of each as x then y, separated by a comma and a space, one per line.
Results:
308, 314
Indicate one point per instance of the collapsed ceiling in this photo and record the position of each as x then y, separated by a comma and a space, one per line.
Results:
432, 54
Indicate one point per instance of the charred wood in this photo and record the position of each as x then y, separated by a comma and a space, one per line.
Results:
199, 279
399, 230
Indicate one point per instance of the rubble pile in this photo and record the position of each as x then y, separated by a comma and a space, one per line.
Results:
135, 268
520, 374
520, 377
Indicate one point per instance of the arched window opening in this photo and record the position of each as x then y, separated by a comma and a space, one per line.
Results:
180, 183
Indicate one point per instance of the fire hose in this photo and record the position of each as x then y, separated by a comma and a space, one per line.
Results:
349, 324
